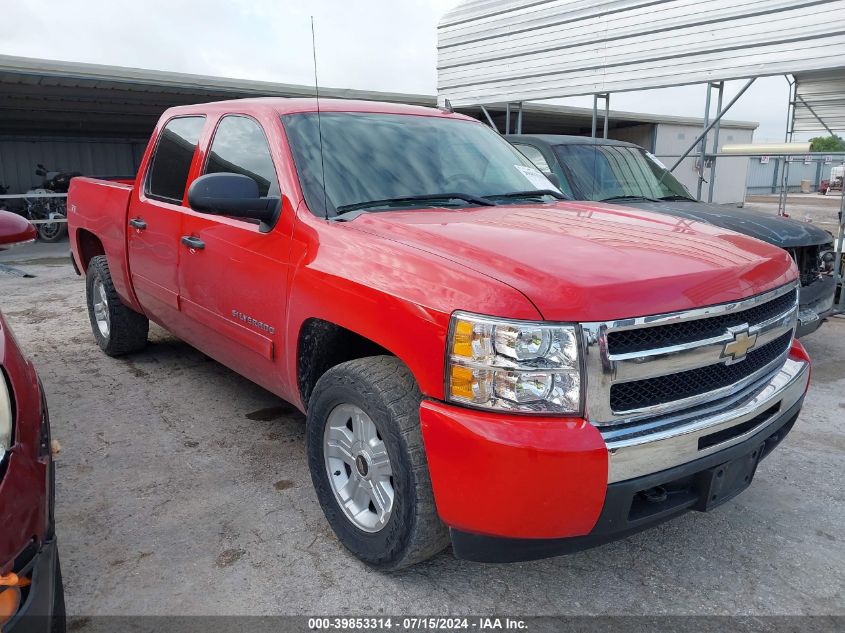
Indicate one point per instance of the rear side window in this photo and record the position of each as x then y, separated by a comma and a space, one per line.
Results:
240, 147
172, 158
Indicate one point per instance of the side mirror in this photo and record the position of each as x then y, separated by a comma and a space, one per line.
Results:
234, 195
41, 171
14, 229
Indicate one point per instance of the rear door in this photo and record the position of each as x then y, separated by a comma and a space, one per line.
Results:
155, 219
233, 276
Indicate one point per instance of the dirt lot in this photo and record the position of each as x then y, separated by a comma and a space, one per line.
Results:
183, 489
804, 207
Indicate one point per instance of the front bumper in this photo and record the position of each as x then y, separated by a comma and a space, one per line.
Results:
518, 488
816, 303
636, 504
36, 612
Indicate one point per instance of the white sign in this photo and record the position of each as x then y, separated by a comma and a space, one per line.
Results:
764, 160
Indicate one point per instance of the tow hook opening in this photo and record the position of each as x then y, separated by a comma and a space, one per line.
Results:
657, 494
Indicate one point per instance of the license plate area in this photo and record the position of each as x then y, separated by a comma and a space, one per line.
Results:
723, 482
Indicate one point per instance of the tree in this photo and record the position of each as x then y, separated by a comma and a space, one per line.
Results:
827, 144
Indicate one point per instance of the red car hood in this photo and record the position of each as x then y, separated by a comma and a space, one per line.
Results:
589, 261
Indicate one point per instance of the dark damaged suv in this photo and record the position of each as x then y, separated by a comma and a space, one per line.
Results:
603, 170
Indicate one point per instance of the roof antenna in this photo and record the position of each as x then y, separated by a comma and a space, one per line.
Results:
319, 125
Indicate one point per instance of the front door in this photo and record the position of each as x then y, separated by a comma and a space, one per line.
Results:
155, 219
233, 276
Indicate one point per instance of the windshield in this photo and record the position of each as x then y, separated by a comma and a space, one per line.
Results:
602, 172
394, 157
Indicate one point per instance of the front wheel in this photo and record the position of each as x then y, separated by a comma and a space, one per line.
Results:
368, 464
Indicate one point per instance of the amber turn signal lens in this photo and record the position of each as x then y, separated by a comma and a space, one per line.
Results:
10, 601
461, 382
462, 341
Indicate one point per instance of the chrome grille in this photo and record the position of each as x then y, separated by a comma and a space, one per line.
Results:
642, 369
627, 396
625, 341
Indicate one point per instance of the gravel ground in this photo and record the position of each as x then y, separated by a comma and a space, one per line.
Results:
183, 489
804, 207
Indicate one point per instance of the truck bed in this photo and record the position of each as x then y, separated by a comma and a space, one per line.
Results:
97, 216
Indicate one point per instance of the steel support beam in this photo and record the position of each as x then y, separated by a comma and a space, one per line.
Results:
787, 137
596, 97
712, 124
489, 118
712, 184
702, 148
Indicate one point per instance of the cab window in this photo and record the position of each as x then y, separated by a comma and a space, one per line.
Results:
172, 159
240, 147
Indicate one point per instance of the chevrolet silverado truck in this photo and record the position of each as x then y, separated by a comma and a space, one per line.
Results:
626, 174
31, 590
480, 361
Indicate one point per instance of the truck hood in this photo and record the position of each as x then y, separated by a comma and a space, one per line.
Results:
773, 229
590, 262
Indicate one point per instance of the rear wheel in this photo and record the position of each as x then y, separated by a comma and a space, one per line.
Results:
117, 328
368, 463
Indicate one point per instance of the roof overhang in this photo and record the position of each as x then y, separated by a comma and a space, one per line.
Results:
523, 50
53, 98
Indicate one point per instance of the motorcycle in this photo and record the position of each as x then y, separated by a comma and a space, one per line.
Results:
48, 208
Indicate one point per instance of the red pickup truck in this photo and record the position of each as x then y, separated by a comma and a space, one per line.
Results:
480, 361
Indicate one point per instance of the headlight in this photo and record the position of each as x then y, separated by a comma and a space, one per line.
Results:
5, 416
520, 366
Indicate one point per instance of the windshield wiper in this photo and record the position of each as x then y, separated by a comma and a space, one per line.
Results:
675, 196
535, 193
429, 197
611, 198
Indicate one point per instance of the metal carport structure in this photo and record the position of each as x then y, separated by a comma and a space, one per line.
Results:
513, 51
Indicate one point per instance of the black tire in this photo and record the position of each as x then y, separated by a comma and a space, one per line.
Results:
128, 330
383, 387
51, 233
58, 621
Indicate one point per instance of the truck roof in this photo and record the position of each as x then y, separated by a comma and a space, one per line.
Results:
562, 139
282, 105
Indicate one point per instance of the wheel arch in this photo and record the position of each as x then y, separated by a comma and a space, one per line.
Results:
322, 345
88, 246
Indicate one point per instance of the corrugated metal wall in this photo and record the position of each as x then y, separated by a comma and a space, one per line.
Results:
18, 158
520, 50
822, 95
764, 178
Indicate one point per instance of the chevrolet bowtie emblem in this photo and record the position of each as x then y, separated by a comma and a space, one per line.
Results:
735, 350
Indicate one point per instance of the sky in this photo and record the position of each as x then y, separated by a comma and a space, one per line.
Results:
365, 44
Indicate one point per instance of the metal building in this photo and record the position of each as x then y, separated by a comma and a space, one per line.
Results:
97, 119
